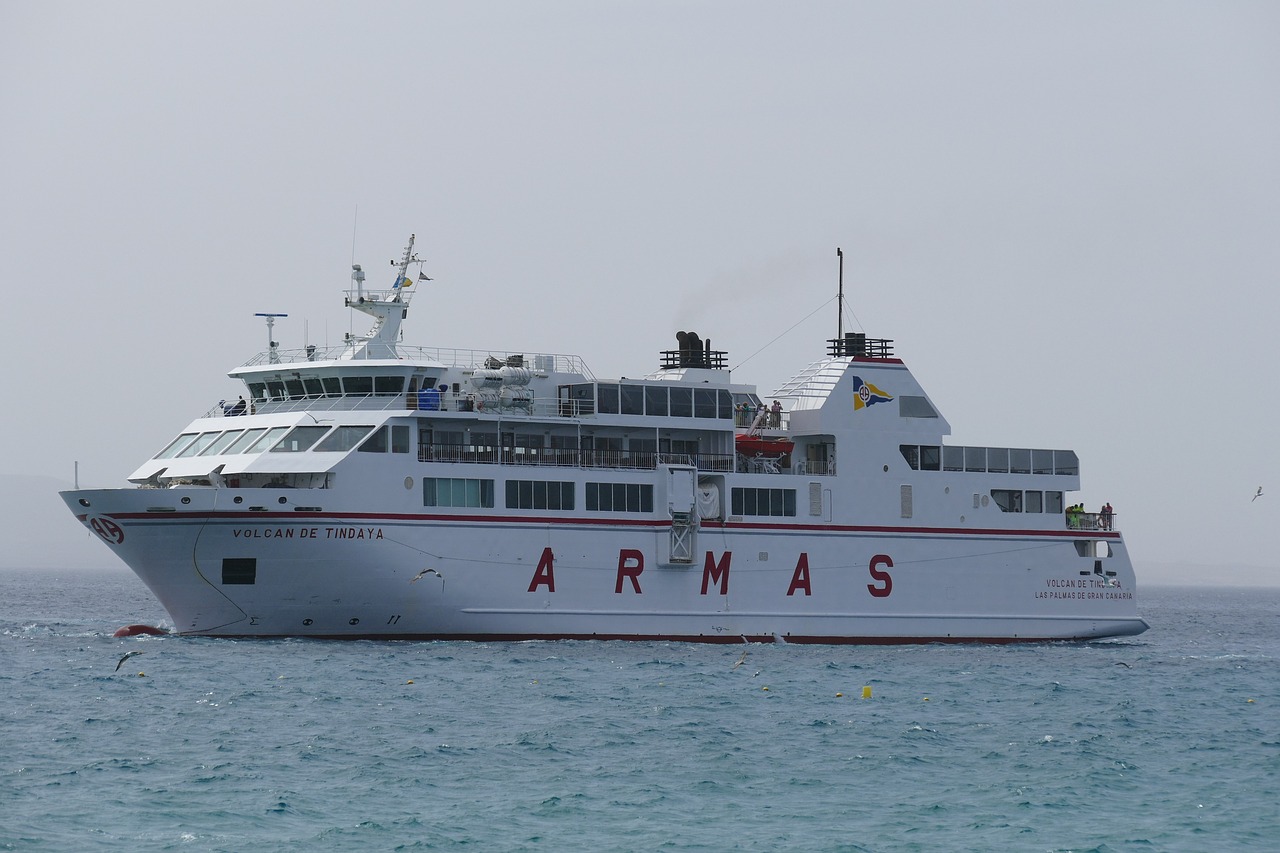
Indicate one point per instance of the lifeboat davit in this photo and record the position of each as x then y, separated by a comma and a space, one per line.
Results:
752, 446
135, 630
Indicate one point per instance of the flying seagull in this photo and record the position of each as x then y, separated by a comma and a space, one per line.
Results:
1258, 495
741, 660
127, 655
425, 572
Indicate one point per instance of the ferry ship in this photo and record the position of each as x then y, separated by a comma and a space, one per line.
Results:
376, 490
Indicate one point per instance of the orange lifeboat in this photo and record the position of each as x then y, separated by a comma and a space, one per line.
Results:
752, 446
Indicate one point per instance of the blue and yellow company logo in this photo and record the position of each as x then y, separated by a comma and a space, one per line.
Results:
865, 394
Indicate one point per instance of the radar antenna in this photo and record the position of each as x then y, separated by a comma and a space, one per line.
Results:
273, 351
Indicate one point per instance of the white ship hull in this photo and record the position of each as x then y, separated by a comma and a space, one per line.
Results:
353, 576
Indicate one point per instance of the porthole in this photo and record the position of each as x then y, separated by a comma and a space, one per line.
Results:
237, 499
306, 621
284, 500
353, 621
83, 502
886, 469
186, 500
408, 482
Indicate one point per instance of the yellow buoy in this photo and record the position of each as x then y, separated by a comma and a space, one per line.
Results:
866, 692
839, 695
764, 688
410, 681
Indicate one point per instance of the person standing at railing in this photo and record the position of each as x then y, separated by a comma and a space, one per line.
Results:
1104, 517
775, 415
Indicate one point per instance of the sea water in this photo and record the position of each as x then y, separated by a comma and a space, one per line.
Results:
1166, 741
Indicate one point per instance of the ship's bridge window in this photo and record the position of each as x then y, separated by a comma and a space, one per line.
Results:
250, 436
385, 386
223, 441
332, 385
257, 390
202, 441
358, 385
952, 458
1066, 462
276, 389
176, 445
1019, 461
342, 439
311, 385
295, 389
998, 460
300, 438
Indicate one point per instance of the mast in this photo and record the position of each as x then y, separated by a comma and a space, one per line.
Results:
408, 258
273, 348
387, 307
840, 298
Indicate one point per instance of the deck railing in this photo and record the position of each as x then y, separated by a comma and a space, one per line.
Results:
571, 458
1091, 521
464, 358
506, 406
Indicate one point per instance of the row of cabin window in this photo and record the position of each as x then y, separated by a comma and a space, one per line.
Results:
283, 439
651, 400
537, 494
1014, 500
994, 460
600, 497
327, 386
476, 442
394, 438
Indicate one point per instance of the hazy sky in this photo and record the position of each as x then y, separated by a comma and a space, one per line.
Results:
1067, 215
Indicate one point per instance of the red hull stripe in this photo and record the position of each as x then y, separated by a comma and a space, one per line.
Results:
673, 638
393, 518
